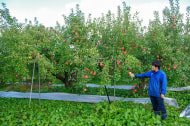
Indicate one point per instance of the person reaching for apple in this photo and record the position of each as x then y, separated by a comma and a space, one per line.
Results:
157, 87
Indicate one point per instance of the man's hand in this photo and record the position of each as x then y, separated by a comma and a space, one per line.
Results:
162, 96
131, 74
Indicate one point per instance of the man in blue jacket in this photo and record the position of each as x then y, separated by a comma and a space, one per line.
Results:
157, 87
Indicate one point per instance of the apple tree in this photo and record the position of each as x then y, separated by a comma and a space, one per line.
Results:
169, 44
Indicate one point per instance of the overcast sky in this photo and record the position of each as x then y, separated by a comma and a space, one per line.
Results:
50, 11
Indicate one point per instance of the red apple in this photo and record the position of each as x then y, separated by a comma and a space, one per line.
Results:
85, 76
49, 82
16, 75
94, 74
118, 62
101, 64
84, 89
87, 69
133, 88
66, 63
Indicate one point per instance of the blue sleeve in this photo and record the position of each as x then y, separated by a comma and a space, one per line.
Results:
164, 84
144, 75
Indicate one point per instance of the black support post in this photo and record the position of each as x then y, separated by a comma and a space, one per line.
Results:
107, 94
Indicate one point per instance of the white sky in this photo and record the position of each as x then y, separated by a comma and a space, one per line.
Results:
50, 11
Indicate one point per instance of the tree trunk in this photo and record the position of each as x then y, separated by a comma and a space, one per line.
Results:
68, 83
2, 83
141, 86
65, 80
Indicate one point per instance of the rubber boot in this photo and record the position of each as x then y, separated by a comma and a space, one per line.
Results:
164, 116
157, 112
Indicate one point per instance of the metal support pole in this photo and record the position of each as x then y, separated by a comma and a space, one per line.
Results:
32, 83
39, 84
114, 83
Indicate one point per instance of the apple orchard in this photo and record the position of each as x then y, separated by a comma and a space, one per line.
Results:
103, 49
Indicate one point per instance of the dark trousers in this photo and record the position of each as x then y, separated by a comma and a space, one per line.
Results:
158, 106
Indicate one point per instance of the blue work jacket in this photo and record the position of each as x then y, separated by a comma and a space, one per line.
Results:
157, 82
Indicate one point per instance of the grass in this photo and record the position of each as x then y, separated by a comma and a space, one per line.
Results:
64, 113
17, 111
